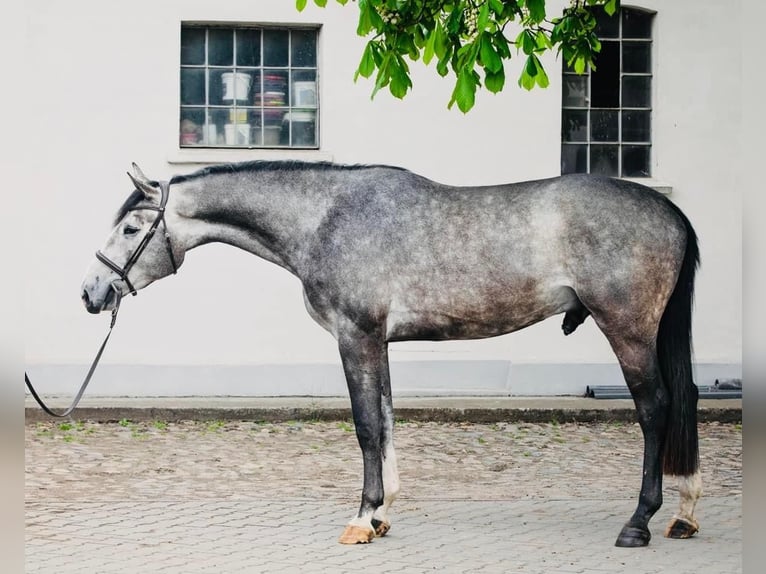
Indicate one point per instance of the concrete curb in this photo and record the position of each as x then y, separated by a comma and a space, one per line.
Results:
421, 409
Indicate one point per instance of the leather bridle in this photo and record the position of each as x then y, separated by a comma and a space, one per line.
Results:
123, 274
123, 271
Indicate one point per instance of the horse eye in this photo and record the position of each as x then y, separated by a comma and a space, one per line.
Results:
130, 230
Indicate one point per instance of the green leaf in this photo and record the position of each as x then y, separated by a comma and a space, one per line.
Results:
541, 78
483, 19
367, 63
489, 57
429, 48
527, 79
320, 3
465, 91
611, 7
400, 78
579, 64
501, 45
440, 41
300, 4
536, 10
526, 41
497, 6
494, 81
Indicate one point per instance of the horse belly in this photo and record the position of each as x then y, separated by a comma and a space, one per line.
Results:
474, 318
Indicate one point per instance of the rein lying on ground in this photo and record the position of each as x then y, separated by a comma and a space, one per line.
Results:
386, 255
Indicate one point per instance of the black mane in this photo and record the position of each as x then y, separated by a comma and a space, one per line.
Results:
265, 165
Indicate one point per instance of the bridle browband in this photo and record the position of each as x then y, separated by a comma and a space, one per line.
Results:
123, 271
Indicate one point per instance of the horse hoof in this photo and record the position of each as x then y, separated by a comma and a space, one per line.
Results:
632, 537
681, 528
356, 535
381, 528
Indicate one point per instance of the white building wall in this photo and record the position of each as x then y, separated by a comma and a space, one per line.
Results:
103, 91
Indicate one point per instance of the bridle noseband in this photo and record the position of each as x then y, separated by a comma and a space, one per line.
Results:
123, 271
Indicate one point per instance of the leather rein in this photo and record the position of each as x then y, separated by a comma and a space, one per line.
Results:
122, 272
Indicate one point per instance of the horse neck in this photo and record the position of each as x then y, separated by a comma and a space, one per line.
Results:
271, 214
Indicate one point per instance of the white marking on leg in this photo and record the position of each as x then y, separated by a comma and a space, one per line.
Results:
390, 482
690, 488
364, 521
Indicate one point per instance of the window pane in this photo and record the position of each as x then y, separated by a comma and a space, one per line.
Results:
635, 161
636, 92
192, 120
302, 127
575, 92
606, 26
603, 159
216, 132
220, 47
275, 44
216, 86
636, 57
304, 89
636, 24
603, 126
574, 159
635, 126
248, 47
574, 124
605, 80
304, 48
274, 89
193, 46
192, 86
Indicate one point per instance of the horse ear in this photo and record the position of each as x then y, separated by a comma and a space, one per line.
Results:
138, 173
142, 183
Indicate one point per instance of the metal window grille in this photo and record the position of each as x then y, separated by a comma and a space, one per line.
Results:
606, 112
248, 87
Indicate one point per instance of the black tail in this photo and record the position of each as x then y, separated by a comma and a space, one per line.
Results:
674, 350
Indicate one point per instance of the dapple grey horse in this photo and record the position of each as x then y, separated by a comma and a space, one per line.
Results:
386, 255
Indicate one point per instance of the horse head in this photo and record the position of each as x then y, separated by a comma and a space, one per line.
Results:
133, 256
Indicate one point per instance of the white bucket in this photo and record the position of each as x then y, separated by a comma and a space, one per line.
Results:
236, 85
304, 94
237, 134
209, 134
304, 127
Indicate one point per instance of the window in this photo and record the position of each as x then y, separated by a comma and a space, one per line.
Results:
248, 87
606, 112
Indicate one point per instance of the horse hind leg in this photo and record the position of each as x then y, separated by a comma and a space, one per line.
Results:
639, 363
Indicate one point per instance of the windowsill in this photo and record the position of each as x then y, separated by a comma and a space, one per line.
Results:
656, 185
221, 155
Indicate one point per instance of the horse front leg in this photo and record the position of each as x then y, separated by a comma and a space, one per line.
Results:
365, 363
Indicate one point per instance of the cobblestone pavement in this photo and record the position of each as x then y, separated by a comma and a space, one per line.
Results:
246, 497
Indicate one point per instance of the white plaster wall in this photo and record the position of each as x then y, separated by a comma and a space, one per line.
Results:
103, 91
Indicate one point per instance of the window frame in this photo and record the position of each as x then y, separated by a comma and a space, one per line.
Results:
205, 153
619, 143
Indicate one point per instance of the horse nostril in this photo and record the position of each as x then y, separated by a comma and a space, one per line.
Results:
85, 298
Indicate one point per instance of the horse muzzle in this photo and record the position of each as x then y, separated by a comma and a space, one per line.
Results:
93, 305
